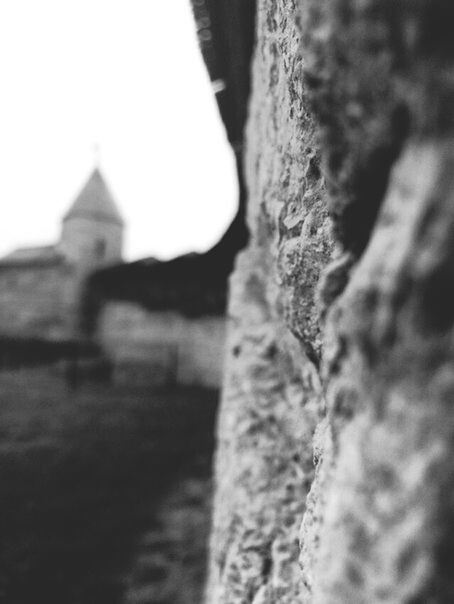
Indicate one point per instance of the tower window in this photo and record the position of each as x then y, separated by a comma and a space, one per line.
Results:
100, 249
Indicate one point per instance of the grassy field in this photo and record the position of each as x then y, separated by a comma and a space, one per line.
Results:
103, 492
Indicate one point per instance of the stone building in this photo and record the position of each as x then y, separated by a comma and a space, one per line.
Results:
44, 292
40, 287
161, 322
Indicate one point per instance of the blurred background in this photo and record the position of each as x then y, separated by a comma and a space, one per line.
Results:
122, 84
122, 212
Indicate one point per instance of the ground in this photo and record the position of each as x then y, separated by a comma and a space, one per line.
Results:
104, 492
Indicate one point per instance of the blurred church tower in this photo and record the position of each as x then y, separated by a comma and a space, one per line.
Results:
41, 288
91, 238
92, 230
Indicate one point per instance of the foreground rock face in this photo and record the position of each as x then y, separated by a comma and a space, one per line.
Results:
334, 474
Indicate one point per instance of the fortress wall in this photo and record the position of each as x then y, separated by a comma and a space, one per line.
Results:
334, 474
163, 346
202, 351
31, 301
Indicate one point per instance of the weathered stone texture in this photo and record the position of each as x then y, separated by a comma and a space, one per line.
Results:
334, 473
264, 464
272, 391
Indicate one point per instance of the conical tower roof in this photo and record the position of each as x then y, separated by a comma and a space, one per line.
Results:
95, 202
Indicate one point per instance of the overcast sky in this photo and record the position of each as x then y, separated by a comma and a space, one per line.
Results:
125, 74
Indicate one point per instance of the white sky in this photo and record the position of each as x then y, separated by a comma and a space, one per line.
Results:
126, 74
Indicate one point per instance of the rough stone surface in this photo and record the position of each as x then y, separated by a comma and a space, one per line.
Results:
334, 480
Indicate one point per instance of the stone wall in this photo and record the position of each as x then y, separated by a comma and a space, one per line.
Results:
334, 465
33, 301
162, 347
